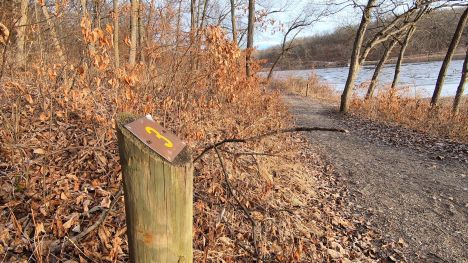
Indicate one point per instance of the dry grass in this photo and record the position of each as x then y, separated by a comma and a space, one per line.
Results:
415, 113
316, 88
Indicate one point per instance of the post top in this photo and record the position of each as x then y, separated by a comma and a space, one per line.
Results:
183, 157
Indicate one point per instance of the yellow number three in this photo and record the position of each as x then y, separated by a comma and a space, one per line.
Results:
168, 143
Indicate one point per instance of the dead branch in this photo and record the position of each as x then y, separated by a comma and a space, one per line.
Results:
244, 209
261, 136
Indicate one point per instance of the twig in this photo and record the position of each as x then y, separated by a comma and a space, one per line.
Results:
244, 209
54, 246
271, 133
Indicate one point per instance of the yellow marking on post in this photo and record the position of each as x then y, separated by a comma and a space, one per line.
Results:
168, 143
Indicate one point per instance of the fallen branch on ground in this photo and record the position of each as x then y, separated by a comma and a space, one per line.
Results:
271, 133
244, 209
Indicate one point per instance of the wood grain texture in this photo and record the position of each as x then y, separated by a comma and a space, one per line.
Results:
158, 200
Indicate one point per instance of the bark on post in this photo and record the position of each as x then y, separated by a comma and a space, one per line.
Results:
355, 65
378, 68
250, 35
448, 57
461, 86
396, 76
133, 31
116, 33
158, 200
21, 33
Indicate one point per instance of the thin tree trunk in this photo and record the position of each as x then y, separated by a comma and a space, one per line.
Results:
396, 76
378, 68
133, 31
448, 57
192, 19
39, 36
205, 9
85, 15
97, 14
21, 33
141, 33
116, 33
250, 36
53, 33
355, 66
233, 21
270, 73
461, 86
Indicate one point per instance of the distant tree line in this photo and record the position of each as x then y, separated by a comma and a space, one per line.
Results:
431, 37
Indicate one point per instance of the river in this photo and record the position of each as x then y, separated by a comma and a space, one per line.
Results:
418, 78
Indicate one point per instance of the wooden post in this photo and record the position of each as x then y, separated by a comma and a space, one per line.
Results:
307, 89
158, 200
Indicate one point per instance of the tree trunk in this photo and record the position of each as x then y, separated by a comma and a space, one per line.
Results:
192, 19
233, 21
396, 76
461, 86
53, 33
270, 73
85, 15
141, 33
205, 9
21, 33
355, 66
448, 57
378, 68
133, 31
39, 35
116, 33
250, 35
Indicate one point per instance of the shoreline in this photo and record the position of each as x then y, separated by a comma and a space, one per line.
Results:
341, 64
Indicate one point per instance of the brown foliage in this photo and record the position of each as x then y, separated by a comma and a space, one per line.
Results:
414, 113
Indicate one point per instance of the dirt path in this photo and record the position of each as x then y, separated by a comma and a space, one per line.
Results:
402, 190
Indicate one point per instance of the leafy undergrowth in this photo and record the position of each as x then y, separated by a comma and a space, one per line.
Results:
415, 113
59, 170
316, 88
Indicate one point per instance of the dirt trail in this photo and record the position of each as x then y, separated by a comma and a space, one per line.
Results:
403, 192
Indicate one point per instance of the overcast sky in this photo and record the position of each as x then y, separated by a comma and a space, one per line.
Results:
271, 36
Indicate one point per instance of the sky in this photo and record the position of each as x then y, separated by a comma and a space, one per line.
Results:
271, 37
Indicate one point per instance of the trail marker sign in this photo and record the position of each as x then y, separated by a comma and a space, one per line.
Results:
158, 138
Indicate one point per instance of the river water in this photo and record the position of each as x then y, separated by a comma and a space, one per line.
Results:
418, 78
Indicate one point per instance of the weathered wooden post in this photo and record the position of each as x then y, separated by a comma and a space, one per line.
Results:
158, 185
307, 89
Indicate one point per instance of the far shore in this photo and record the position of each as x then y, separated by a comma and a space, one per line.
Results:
339, 64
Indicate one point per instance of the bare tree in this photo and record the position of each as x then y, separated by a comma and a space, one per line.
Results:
116, 18
401, 55
378, 68
448, 57
233, 21
135, 6
461, 86
21, 33
85, 15
250, 35
141, 32
295, 27
53, 32
355, 65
